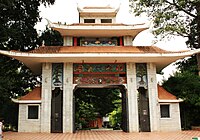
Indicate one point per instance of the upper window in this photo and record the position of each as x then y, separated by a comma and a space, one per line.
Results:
33, 112
164, 111
89, 20
106, 20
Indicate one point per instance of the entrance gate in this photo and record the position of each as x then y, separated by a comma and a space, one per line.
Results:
103, 75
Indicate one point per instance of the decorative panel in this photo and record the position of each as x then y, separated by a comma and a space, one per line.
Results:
57, 75
88, 73
98, 42
141, 75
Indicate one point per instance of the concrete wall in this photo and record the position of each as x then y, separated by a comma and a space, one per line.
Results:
132, 98
46, 98
25, 124
173, 123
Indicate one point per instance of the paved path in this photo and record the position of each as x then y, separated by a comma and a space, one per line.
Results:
103, 135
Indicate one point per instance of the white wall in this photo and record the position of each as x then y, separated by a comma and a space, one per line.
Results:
25, 124
173, 123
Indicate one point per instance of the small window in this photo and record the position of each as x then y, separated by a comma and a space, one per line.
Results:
164, 111
106, 20
33, 112
89, 20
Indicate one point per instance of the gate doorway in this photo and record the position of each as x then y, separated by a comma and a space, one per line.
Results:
100, 95
56, 111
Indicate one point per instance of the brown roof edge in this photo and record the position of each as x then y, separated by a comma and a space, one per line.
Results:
99, 7
165, 95
99, 49
35, 94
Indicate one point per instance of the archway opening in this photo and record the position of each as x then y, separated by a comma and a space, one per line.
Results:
100, 107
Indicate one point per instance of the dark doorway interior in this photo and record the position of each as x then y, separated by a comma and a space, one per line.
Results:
89, 99
143, 109
56, 111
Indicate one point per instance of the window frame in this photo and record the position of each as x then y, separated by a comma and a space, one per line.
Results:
169, 111
109, 20
38, 111
89, 19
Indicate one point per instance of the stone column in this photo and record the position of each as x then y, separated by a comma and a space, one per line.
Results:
132, 98
153, 97
46, 98
68, 98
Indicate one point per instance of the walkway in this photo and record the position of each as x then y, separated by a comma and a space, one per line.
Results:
103, 135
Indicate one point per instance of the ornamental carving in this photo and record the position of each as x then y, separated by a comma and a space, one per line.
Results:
57, 75
141, 75
99, 73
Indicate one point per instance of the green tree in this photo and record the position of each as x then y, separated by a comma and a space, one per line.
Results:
173, 17
91, 103
51, 38
17, 32
186, 86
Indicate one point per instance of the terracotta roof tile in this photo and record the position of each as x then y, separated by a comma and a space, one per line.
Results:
96, 49
35, 94
165, 95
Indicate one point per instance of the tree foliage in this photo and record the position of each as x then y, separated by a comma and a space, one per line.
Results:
174, 17
50, 38
92, 103
17, 32
186, 86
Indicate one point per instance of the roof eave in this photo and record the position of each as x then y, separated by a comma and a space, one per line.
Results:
170, 101
26, 101
34, 60
98, 29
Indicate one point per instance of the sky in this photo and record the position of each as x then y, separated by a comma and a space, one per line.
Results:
65, 11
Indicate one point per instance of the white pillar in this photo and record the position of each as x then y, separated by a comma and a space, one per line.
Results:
67, 41
128, 41
46, 98
153, 97
68, 98
132, 98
